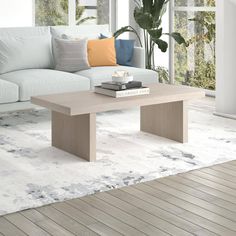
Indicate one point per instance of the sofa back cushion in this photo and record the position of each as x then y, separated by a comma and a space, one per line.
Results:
81, 31
25, 48
25, 31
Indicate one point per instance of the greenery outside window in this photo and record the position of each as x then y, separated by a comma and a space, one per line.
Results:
195, 65
58, 12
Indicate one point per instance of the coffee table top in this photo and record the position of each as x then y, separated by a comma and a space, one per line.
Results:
83, 102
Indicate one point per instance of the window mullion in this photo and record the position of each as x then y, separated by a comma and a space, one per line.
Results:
72, 12
171, 43
33, 12
202, 9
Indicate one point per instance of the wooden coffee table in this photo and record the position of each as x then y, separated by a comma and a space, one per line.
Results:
163, 113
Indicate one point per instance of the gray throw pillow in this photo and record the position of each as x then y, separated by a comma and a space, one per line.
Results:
70, 55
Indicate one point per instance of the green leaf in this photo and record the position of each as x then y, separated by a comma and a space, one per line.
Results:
157, 8
130, 29
147, 5
178, 38
164, 9
155, 33
143, 19
81, 21
121, 31
157, 23
162, 45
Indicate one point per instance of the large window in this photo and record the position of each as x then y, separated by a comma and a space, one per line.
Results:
71, 12
195, 65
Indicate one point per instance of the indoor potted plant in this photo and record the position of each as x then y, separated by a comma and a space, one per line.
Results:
148, 15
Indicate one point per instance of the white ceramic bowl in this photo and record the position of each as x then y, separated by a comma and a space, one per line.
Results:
126, 79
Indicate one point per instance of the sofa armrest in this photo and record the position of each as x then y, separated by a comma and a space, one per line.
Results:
138, 57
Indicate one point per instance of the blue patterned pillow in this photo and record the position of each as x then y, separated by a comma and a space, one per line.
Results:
124, 51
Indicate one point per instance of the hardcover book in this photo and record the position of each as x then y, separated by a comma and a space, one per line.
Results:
121, 86
122, 93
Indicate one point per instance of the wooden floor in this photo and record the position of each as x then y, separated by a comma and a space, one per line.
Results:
200, 202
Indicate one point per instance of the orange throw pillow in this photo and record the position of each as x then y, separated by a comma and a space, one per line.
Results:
102, 52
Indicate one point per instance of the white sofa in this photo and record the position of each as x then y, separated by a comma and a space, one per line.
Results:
22, 80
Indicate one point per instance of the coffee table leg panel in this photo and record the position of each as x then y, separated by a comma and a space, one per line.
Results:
169, 120
75, 134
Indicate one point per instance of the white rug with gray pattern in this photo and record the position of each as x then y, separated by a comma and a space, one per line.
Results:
32, 173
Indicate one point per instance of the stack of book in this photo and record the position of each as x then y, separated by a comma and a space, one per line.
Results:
117, 90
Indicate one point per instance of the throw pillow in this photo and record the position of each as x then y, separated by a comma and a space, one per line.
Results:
102, 52
75, 37
70, 55
124, 51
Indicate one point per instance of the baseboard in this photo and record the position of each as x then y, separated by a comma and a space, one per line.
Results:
225, 115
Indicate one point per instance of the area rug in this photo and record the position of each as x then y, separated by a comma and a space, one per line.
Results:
32, 173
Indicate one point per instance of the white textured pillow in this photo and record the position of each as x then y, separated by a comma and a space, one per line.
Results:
70, 55
79, 36
18, 53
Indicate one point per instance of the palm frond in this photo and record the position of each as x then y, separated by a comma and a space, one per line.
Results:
128, 29
81, 21
137, 3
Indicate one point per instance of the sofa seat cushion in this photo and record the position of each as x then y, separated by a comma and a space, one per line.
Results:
97, 75
9, 92
43, 81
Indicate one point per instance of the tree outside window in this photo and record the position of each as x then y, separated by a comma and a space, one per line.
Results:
195, 65
55, 12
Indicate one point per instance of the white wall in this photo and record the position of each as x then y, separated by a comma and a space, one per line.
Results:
16, 13
162, 59
122, 13
225, 58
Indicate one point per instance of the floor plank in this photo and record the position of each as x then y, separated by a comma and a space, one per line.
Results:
104, 218
65, 221
205, 204
102, 229
192, 204
215, 179
208, 190
164, 225
143, 193
141, 215
200, 202
219, 174
26, 225
180, 184
45, 223
9, 229
85, 219
189, 212
156, 211
224, 170
122, 215
210, 184
229, 166
232, 162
